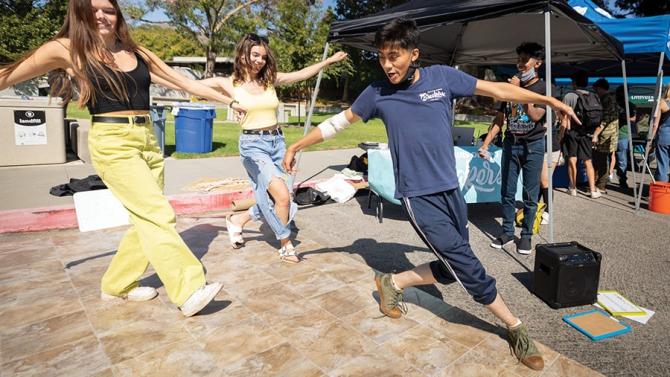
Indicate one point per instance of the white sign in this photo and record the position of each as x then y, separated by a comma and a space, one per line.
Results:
30, 127
99, 209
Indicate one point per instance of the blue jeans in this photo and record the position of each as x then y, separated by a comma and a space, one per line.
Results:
622, 152
262, 157
526, 156
662, 162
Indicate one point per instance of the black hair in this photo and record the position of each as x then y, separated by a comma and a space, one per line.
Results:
532, 49
580, 78
401, 32
602, 83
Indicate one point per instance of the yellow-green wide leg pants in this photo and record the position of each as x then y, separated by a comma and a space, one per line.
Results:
127, 158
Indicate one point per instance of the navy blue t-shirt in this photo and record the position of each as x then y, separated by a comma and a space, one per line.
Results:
418, 123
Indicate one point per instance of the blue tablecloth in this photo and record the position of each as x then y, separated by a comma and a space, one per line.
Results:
479, 179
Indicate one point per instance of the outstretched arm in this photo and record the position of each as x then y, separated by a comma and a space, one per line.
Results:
307, 72
163, 71
511, 93
325, 130
223, 84
51, 55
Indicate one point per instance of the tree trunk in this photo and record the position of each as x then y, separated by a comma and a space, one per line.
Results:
209, 65
345, 89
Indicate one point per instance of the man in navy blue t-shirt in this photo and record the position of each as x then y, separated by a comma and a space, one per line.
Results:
415, 106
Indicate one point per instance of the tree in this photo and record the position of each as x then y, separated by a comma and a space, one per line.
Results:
365, 62
165, 41
208, 21
644, 8
25, 25
298, 33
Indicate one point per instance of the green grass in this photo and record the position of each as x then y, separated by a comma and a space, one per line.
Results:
225, 137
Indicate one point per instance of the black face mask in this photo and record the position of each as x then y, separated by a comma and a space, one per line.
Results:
409, 76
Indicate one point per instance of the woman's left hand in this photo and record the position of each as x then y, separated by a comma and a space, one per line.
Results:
337, 57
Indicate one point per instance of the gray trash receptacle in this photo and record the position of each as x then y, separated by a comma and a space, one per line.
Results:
158, 117
32, 131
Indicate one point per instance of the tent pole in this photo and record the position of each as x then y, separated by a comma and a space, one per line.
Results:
308, 121
550, 170
630, 133
652, 119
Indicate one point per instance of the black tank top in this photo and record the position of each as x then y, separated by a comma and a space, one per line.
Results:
137, 83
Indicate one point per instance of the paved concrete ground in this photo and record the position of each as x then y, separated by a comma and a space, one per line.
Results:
634, 263
316, 318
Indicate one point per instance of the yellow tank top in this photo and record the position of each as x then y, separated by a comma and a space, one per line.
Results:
261, 108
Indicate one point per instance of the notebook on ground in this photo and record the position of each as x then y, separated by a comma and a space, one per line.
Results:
596, 324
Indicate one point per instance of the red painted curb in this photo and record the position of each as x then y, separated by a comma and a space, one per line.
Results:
64, 216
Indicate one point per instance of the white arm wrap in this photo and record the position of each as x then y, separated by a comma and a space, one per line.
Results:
333, 125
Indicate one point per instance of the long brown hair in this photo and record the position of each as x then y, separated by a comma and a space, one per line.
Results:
242, 65
89, 55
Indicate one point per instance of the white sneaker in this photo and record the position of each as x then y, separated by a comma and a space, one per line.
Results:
572, 191
611, 178
200, 298
135, 294
596, 194
545, 218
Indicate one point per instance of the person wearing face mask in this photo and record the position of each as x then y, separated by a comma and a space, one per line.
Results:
523, 148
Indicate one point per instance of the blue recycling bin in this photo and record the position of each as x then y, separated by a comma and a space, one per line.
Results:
158, 117
193, 129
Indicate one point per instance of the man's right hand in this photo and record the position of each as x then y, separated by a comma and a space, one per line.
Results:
483, 152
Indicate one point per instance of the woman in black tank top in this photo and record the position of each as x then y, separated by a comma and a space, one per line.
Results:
113, 74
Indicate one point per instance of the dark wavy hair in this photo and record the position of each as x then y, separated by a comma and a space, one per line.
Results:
242, 65
91, 60
532, 49
401, 32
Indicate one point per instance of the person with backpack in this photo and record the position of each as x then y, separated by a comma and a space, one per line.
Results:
579, 139
523, 148
606, 143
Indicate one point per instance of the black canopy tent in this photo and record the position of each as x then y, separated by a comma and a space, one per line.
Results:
485, 32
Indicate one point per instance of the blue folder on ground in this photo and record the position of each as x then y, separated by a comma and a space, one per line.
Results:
596, 324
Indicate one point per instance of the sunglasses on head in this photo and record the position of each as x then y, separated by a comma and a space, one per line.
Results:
256, 38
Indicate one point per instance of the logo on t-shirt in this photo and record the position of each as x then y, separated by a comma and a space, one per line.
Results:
519, 122
432, 95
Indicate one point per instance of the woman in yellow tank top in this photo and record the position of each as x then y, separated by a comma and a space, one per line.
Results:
261, 144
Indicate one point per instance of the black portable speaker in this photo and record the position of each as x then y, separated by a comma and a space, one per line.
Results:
566, 274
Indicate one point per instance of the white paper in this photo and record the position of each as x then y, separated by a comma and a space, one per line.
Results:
615, 302
99, 209
643, 319
338, 189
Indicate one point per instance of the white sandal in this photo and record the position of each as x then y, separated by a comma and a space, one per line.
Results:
234, 233
287, 252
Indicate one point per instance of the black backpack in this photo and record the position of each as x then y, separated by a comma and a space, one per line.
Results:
589, 110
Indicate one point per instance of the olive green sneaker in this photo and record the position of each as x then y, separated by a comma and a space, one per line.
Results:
524, 348
390, 299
